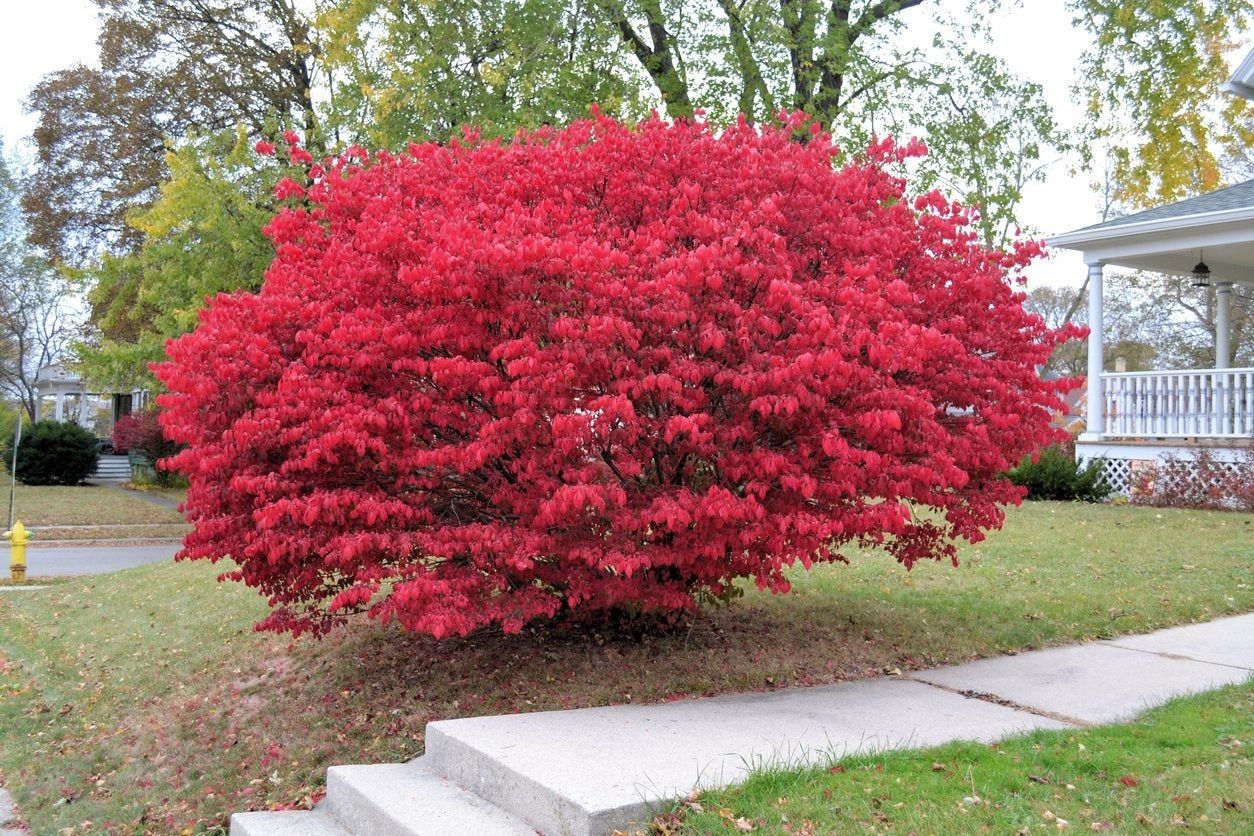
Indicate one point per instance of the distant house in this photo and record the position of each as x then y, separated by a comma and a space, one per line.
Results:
62, 395
1134, 417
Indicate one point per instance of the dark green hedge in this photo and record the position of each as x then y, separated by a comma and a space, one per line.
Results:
1057, 475
53, 453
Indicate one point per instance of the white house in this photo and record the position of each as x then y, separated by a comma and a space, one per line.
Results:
70, 400
1133, 417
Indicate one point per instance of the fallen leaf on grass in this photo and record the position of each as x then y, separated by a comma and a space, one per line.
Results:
1060, 823
1129, 781
740, 823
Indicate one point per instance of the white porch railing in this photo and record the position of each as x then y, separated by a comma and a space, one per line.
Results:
1217, 403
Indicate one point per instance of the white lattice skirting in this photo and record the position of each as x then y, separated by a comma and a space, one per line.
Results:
1118, 474
1122, 463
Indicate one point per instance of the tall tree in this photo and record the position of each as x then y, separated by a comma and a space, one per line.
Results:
35, 320
407, 70
798, 54
1151, 84
1133, 329
201, 236
167, 69
182, 73
1163, 130
413, 70
989, 133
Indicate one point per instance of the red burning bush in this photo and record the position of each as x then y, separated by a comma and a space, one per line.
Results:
598, 370
140, 432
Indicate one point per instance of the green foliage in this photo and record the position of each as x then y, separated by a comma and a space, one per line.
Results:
1055, 474
201, 237
8, 424
1152, 88
54, 453
414, 71
989, 133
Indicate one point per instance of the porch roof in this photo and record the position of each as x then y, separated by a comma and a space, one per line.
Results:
1242, 81
1217, 227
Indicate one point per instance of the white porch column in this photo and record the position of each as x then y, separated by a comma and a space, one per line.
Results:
1095, 410
59, 412
1223, 325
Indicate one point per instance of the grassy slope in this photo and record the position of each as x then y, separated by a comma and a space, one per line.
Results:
85, 505
1186, 765
142, 701
113, 533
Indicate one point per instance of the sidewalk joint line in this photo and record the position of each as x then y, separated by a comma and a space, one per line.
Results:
1178, 657
984, 696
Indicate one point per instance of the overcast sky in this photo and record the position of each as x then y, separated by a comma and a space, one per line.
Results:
1038, 42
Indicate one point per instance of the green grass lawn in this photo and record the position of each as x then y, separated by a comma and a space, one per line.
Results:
90, 505
90, 512
111, 533
1184, 766
143, 701
174, 494
36, 580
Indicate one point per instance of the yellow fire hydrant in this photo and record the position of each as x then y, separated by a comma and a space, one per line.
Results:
17, 551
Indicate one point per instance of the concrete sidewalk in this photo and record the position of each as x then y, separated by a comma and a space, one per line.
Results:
593, 771
8, 814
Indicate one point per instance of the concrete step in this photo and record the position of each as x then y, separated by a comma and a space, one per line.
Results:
409, 800
589, 772
311, 823
112, 469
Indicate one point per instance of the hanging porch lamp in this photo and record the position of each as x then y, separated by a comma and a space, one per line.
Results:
1201, 273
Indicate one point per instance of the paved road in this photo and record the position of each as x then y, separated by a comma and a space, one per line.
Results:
93, 560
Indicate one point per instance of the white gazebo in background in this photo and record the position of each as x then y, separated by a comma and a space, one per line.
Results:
65, 389
62, 395
1143, 416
